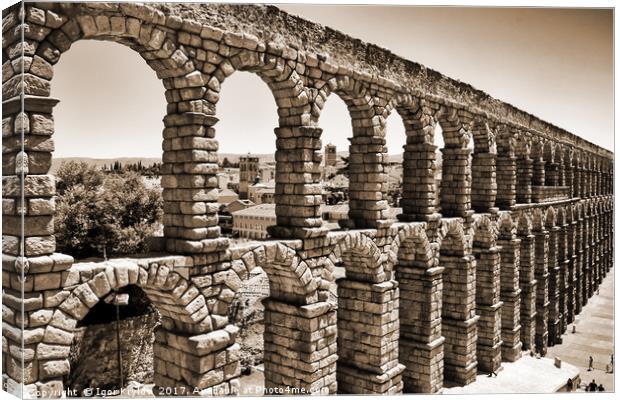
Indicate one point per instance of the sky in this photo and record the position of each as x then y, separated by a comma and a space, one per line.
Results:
554, 63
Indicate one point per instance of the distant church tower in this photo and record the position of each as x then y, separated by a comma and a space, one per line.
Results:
248, 170
330, 155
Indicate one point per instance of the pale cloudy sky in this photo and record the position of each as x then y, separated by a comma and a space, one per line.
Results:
554, 63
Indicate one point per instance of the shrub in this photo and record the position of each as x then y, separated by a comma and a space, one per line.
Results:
99, 214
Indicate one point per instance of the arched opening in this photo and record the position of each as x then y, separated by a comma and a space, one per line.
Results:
109, 197
396, 141
283, 320
246, 176
439, 143
248, 313
336, 133
94, 356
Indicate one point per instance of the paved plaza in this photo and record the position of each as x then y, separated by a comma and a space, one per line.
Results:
594, 336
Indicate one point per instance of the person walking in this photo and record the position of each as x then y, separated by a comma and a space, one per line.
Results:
569, 385
590, 363
492, 371
592, 386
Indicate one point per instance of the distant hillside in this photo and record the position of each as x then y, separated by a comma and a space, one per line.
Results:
146, 161
100, 162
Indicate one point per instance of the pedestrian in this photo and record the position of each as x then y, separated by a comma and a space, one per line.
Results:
569, 385
590, 363
600, 388
592, 386
492, 371
574, 328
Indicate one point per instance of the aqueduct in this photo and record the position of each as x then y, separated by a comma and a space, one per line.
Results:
520, 239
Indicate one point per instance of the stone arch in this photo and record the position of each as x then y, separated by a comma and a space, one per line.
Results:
419, 157
181, 304
362, 259
506, 227
452, 229
484, 232
368, 203
411, 244
142, 28
291, 279
550, 217
285, 84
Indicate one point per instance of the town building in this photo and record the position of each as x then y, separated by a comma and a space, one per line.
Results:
248, 174
252, 222
330, 155
226, 196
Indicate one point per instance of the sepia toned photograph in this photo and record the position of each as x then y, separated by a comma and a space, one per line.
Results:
206, 199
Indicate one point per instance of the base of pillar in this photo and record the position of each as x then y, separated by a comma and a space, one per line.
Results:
461, 375
424, 365
512, 353
355, 381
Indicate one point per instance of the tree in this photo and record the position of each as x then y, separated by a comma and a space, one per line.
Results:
111, 215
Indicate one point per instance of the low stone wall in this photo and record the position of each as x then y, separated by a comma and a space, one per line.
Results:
94, 362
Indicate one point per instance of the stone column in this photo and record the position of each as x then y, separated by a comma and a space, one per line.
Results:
506, 181
524, 180
542, 290
489, 308
556, 288
418, 199
368, 205
190, 185
528, 284
29, 261
571, 278
564, 281
459, 319
510, 296
300, 348
455, 182
421, 342
368, 332
579, 273
587, 263
298, 188
189, 365
483, 186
